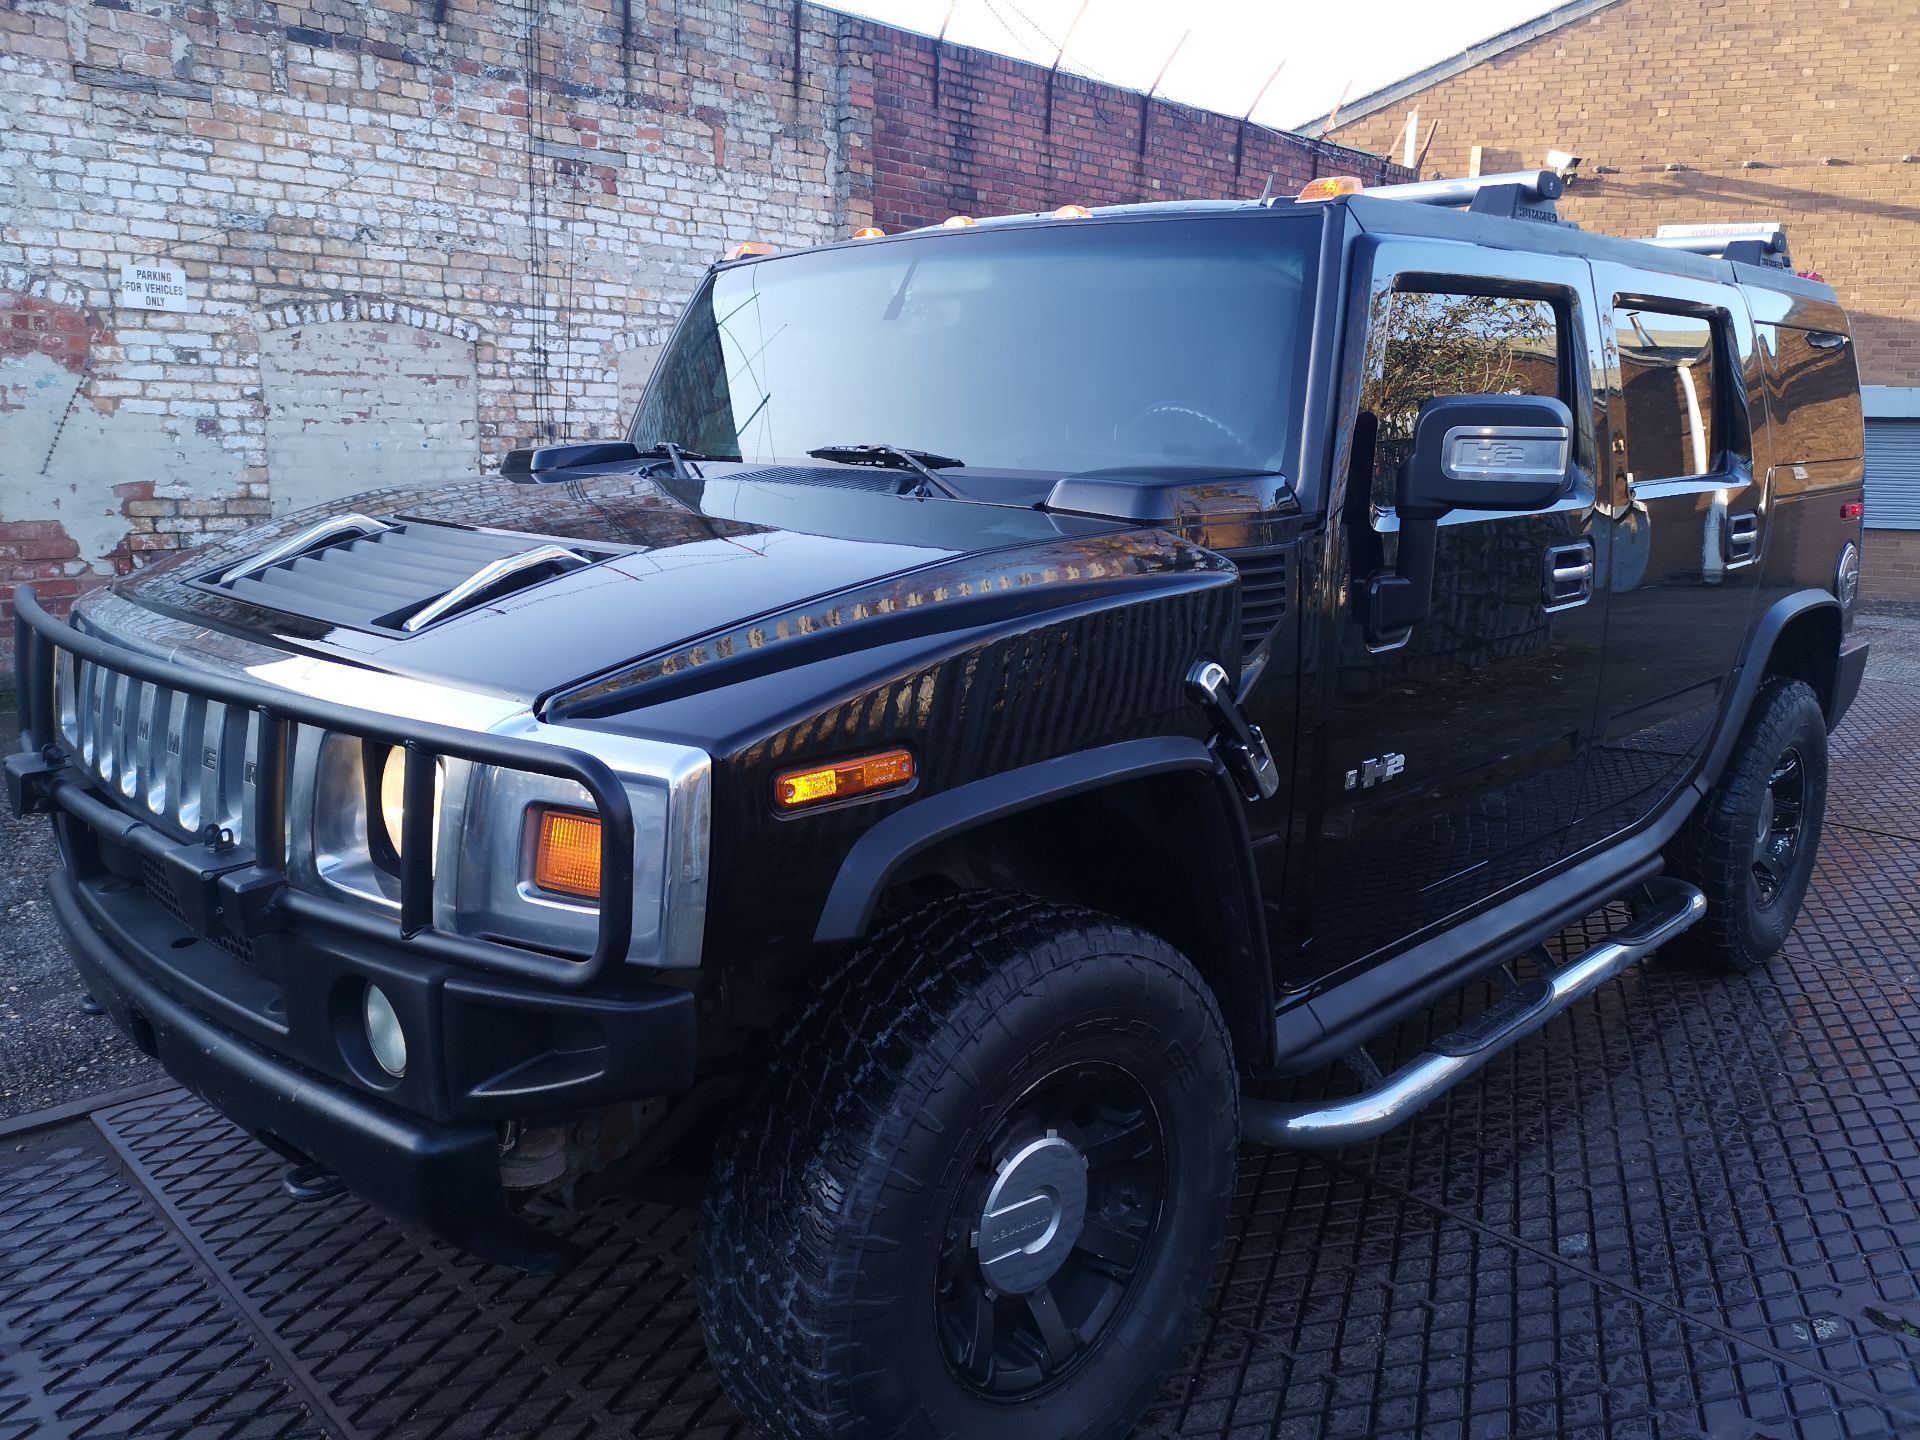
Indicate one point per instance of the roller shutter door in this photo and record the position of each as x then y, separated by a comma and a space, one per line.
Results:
1893, 474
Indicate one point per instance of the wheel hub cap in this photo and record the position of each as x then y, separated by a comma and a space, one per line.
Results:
1033, 1215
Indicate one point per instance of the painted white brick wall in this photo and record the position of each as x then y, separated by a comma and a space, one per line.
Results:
358, 405
398, 252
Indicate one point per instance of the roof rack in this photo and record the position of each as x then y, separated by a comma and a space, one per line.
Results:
1530, 195
1761, 243
1513, 194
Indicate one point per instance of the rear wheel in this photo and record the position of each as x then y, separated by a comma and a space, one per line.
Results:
982, 1188
1751, 844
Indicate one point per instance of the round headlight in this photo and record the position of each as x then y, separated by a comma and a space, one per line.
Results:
392, 790
384, 1036
393, 804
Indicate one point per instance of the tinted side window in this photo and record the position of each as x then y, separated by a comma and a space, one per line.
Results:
1425, 345
1670, 384
1814, 394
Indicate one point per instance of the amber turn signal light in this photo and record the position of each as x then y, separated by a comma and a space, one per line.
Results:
566, 853
870, 774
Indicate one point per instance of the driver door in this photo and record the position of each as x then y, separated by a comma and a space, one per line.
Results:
1446, 765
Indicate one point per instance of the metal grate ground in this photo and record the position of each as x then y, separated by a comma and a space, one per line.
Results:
1691, 1208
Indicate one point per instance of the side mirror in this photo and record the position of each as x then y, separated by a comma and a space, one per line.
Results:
1487, 452
1508, 453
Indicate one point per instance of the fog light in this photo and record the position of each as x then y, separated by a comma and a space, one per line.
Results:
384, 1035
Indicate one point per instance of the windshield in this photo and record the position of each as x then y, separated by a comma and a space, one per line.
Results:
1126, 346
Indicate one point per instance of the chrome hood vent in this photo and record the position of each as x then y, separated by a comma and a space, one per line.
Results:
391, 576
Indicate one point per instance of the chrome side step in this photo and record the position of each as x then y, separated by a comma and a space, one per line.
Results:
1671, 907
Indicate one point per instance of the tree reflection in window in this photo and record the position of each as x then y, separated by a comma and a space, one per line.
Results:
1423, 345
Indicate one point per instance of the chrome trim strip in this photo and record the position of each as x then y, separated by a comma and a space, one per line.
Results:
302, 541
687, 775
486, 577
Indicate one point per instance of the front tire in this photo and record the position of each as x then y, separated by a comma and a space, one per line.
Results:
982, 1187
1751, 844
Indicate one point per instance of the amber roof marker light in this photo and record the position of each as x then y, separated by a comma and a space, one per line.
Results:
863, 776
1331, 187
748, 249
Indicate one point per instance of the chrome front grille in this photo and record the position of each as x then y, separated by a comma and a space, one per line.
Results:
174, 759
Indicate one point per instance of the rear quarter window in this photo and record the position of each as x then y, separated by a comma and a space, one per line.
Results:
1813, 397
1670, 383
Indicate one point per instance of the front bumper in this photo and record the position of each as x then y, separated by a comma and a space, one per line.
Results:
251, 992
424, 1148
444, 1178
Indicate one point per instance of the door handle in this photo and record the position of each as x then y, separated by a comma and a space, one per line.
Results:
1568, 577
1743, 539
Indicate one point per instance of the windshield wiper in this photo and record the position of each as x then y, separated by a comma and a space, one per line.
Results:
897, 457
679, 455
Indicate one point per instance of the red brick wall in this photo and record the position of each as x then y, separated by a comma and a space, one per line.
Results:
40, 552
1729, 110
33, 325
1890, 565
985, 146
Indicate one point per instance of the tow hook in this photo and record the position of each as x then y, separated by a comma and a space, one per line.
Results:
1242, 745
311, 1181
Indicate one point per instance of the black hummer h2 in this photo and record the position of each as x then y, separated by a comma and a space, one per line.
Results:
1014, 682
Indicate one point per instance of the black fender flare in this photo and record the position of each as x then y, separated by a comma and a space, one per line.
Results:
1245, 969
1761, 639
879, 853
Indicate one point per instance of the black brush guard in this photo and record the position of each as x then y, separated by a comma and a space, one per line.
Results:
248, 886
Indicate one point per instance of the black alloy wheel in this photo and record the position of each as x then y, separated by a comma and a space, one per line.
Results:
1751, 843
1776, 841
1046, 1237
981, 1187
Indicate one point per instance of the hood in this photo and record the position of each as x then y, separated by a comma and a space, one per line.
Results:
651, 566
